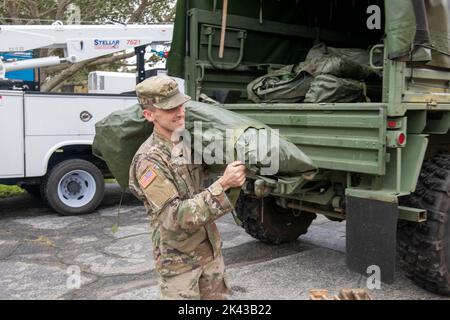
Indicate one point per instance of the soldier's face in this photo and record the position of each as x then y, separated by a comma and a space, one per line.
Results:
169, 120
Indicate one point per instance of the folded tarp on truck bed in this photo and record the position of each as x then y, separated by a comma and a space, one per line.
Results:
327, 71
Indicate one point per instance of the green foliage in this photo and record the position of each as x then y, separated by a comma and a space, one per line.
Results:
91, 11
115, 228
9, 191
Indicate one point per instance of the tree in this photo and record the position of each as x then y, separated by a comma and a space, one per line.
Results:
91, 12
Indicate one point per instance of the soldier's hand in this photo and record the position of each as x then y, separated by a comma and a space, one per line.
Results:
234, 176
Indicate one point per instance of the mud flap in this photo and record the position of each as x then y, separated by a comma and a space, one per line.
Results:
371, 236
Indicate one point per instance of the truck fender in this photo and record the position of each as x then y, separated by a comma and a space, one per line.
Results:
57, 146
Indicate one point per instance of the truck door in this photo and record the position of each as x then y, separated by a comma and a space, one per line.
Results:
11, 135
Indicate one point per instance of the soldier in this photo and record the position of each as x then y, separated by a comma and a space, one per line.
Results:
186, 241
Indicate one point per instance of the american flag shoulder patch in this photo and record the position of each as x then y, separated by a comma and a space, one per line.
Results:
148, 177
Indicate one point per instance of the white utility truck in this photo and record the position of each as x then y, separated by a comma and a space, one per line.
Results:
46, 138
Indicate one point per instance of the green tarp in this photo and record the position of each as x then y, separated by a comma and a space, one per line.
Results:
286, 85
119, 135
328, 75
330, 89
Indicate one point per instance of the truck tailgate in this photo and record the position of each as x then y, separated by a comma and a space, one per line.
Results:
347, 137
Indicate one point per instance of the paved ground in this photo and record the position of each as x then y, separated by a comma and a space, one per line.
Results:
41, 253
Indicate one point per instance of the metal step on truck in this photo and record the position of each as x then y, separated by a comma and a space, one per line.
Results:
384, 161
46, 138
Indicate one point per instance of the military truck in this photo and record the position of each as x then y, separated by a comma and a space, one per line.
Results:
384, 164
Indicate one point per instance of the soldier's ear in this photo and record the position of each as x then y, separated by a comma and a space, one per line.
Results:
149, 115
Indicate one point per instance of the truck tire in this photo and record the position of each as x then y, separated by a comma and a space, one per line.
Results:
264, 220
73, 187
424, 248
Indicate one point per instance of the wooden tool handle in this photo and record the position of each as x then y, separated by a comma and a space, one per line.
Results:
223, 29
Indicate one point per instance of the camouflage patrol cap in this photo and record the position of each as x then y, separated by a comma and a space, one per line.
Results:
162, 91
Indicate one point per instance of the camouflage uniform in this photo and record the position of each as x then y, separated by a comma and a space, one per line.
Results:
186, 241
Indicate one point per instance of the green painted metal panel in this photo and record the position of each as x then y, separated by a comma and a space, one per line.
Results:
338, 137
437, 122
412, 214
417, 120
412, 158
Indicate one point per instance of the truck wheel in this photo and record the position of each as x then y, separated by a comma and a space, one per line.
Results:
73, 187
425, 247
264, 220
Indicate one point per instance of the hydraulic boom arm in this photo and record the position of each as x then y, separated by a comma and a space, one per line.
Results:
79, 42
